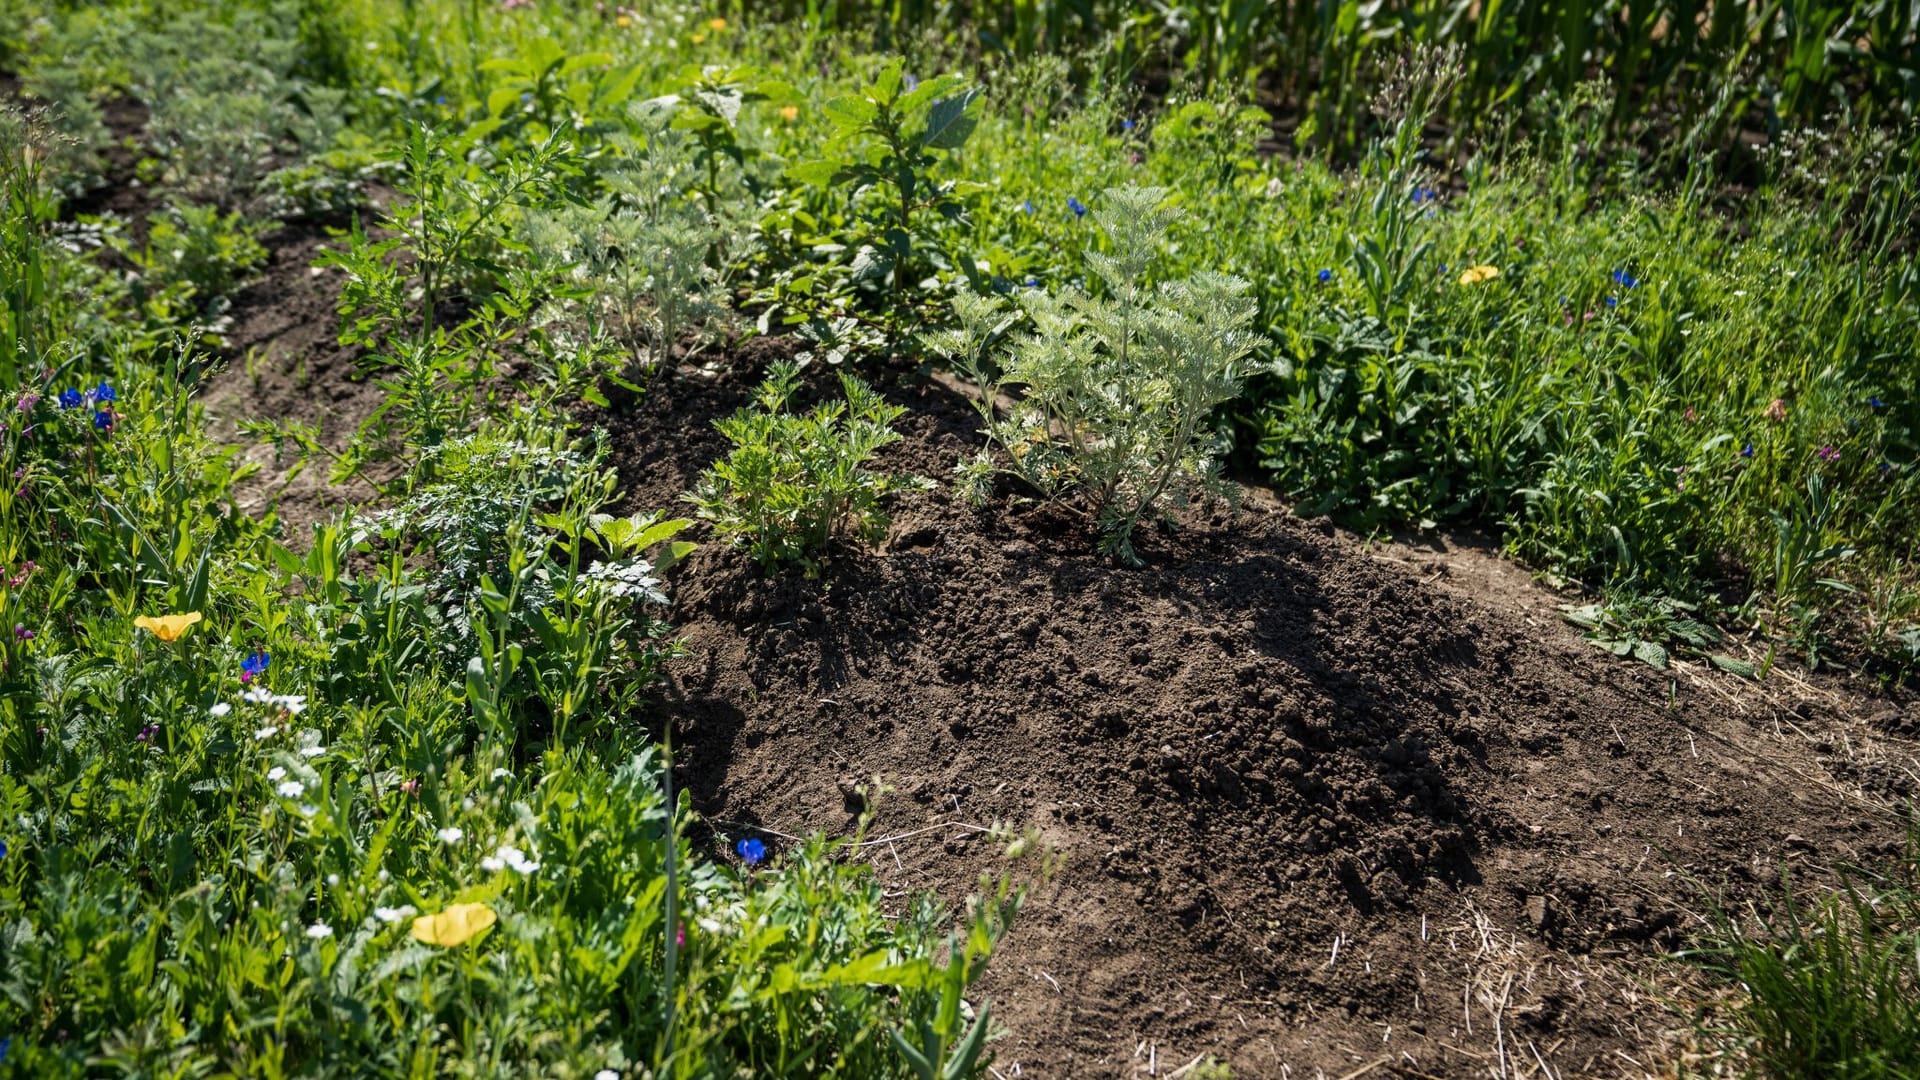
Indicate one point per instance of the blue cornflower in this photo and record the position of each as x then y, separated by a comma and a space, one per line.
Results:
103, 420
1625, 280
751, 851
3, 849
1747, 450
1324, 276
70, 398
1033, 283
104, 392
1443, 268
1127, 124
256, 664
1422, 195
1875, 403
1613, 301
1079, 208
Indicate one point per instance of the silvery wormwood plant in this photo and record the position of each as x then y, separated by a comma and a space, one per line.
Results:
1112, 390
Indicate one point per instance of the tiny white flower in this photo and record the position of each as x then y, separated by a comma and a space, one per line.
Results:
333, 880
606, 1074
294, 704
220, 708
276, 773
501, 774
312, 751
292, 789
265, 733
382, 875
492, 865
452, 834
307, 809
395, 914
319, 930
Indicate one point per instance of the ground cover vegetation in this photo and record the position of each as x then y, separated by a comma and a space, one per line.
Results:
1641, 299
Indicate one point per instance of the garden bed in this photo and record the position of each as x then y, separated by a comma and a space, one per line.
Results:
1315, 808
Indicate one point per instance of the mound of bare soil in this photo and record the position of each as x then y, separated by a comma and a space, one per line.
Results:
1318, 811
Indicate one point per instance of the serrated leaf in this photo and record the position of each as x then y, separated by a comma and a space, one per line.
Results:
951, 121
850, 113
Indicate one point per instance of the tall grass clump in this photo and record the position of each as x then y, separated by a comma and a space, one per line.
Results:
1827, 986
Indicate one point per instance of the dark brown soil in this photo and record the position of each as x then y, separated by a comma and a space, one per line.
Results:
283, 362
1318, 810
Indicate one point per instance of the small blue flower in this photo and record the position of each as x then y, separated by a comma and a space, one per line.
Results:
1613, 301
1625, 280
1026, 207
1423, 195
103, 420
5, 1045
70, 398
1875, 403
1033, 283
3, 849
1324, 276
441, 100
1127, 124
1079, 208
1884, 468
751, 851
1443, 268
911, 82
1747, 450
103, 392
256, 663
526, 97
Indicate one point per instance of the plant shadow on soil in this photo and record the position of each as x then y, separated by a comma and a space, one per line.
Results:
1312, 808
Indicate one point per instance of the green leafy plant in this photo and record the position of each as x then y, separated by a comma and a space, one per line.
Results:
883, 140
1116, 391
796, 483
196, 255
1651, 629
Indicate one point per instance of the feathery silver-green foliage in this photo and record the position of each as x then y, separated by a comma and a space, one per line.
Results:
1116, 387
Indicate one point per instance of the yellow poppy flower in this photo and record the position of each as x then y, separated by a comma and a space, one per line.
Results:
454, 926
698, 39
716, 25
623, 21
1474, 275
789, 113
167, 627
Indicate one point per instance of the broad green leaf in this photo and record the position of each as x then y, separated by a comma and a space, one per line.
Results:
951, 121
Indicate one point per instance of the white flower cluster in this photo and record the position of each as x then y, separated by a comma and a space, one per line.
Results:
508, 856
292, 704
623, 579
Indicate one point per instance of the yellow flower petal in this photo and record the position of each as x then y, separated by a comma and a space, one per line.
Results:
622, 21
167, 627
789, 113
1474, 275
716, 25
454, 926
